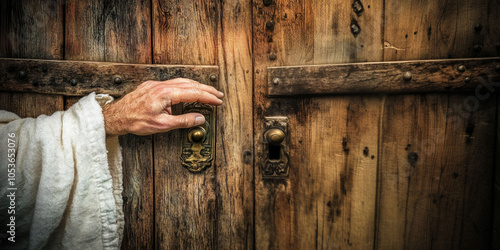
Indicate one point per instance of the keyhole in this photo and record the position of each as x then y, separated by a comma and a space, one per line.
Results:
274, 152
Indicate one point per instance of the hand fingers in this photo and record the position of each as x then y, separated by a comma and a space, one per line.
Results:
203, 87
185, 83
178, 95
183, 121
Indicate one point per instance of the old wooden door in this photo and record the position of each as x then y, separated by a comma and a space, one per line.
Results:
365, 170
377, 171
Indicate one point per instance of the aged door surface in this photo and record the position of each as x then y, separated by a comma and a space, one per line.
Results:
364, 170
374, 171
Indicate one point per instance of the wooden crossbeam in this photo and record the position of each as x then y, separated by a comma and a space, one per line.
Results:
384, 77
77, 78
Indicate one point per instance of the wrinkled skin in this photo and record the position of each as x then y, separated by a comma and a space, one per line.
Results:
148, 109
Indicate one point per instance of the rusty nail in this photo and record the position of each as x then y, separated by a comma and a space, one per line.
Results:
117, 80
407, 76
461, 68
272, 56
276, 81
22, 74
270, 25
213, 78
478, 48
73, 82
467, 79
268, 2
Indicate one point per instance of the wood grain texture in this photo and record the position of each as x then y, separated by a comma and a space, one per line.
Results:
184, 32
76, 78
234, 158
31, 30
328, 201
186, 215
120, 31
384, 77
496, 211
436, 150
418, 30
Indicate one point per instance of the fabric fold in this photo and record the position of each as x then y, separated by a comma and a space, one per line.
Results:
68, 179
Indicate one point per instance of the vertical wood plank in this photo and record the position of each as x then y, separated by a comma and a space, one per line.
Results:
31, 30
436, 150
328, 201
184, 32
496, 211
120, 31
234, 159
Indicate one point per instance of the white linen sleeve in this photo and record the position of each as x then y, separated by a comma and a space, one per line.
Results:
67, 180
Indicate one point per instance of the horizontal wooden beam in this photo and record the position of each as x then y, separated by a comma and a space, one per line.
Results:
383, 77
77, 78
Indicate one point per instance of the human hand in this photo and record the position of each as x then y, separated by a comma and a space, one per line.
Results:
148, 109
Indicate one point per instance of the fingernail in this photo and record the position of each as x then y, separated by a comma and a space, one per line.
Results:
199, 120
221, 94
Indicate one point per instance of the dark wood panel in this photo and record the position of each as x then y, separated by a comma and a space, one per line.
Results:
30, 104
120, 31
436, 150
328, 200
186, 204
30, 30
76, 78
424, 184
496, 211
384, 77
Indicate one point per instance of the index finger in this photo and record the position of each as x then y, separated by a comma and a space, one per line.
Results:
185, 83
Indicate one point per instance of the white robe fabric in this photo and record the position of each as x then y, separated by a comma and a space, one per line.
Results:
68, 180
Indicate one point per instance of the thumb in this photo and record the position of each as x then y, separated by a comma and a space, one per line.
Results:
186, 120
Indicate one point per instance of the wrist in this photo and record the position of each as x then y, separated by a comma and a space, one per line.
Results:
113, 125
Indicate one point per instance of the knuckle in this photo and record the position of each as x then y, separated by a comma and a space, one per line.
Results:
196, 88
185, 122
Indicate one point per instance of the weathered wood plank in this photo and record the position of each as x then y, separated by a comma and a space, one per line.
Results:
234, 154
186, 204
436, 150
30, 30
328, 201
384, 77
30, 104
77, 78
120, 31
496, 211
184, 32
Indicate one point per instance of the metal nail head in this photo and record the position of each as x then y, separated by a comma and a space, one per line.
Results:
467, 80
73, 82
407, 76
272, 56
213, 78
276, 81
22, 74
117, 80
461, 68
268, 2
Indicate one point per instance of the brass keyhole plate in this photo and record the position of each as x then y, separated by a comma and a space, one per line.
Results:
197, 150
275, 164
